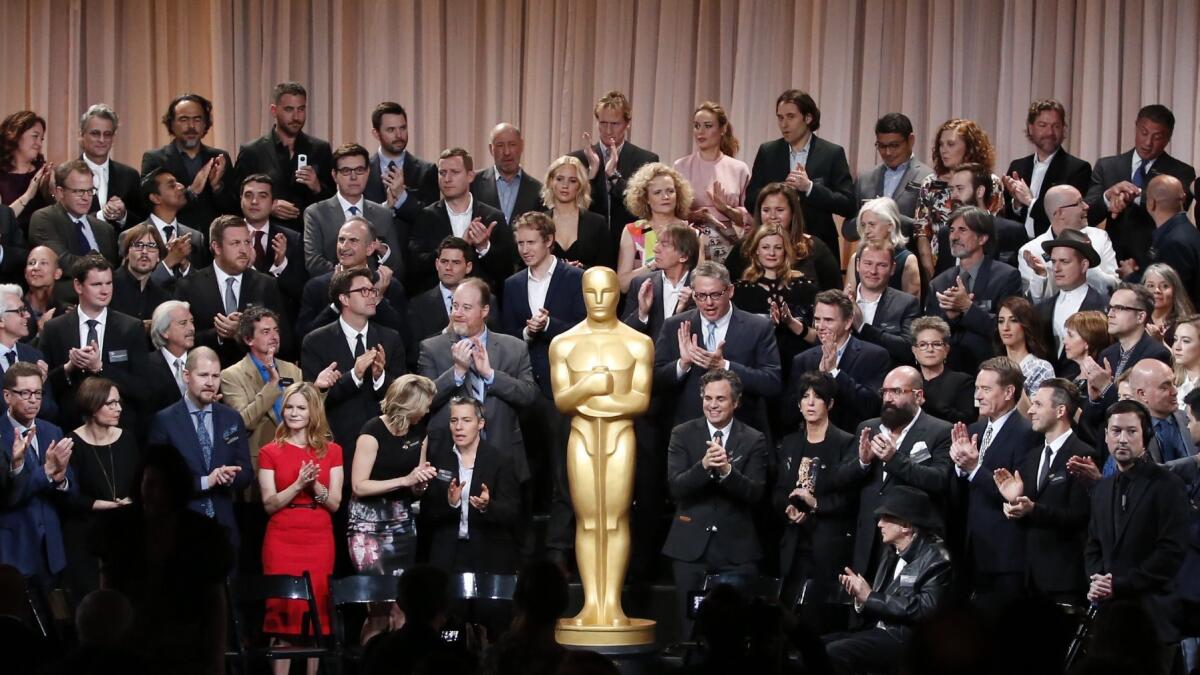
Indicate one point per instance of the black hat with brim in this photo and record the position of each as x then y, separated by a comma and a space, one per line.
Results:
1076, 240
910, 505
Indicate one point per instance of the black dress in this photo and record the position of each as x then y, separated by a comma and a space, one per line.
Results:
821, 265
593, 245
104, 472
382, 529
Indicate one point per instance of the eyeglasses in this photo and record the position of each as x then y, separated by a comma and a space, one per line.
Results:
896, 391
888, 146
352, 171
1070, 206
21, 311
366, 291
936, 344
143, 246
28, 394
106, 135
705, 297
1123, 308
83, 192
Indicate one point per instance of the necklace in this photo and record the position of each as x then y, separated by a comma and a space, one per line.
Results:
110, 474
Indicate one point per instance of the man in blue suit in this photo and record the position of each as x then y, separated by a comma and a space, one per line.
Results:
35, 459
14, 327
211, 438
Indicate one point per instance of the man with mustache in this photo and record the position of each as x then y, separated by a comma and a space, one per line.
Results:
202, 169
903, 446
135, 291
184, 250
116, 198
173, 333
1029, 179
278, 154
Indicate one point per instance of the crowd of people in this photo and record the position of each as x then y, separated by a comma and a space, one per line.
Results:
349, 353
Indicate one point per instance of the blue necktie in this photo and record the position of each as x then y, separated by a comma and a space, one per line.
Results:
710, 339
206, 450
82, 246
1139, 176
353, 210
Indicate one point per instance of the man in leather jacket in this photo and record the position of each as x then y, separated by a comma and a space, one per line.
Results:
909, 585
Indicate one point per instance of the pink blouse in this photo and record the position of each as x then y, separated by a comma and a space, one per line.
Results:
733, 175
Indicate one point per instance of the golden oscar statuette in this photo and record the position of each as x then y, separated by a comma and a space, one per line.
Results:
601, 373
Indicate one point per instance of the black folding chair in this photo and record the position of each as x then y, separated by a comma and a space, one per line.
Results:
484, 598
249, 641
753, 585
356, 593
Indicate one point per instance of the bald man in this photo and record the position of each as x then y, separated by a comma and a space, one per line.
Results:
1066, 209
1175, 242
1153, 384
504, 185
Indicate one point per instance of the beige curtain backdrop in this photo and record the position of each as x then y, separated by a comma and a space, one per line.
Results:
460, 66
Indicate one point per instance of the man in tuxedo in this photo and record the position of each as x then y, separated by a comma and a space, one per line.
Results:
274, 246
717, 335
612, 161
1115, 190
664, 292
218, 293
1071, 257
173, 334
993, 568
94, 340
903, 446
36, 462
323, 219
967, 295
460, 214
471, 360
1029, 178
184, 248
117, 200
814, 167
202, 169
883, 315
971, 185
505, 185
857, 367
1176, 241
135, 291
1067, 211
898, 174
1046, 501
211, 438
1129, 311
299, 165
65, 227
398, 179
717, 473
429, 312
1138, 531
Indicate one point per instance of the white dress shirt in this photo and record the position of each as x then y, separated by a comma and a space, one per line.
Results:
351, 336
102, 318
671, 293
1035, 187
538, 287
868, 307
358, 205
99, 179
464, 480
1066, 304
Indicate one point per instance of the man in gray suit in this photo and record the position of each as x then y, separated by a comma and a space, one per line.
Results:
470, 360
505, 185
898, 175
65, 227
323, 219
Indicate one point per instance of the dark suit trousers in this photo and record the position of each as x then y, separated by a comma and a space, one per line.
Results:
864, 651
689, 576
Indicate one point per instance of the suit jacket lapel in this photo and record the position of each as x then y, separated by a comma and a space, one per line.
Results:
877, 179
1137, 490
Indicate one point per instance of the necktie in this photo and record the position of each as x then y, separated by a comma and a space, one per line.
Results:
987, 439
360, 346
448, 298
718, 436
92, 335
179, 377
1044, 472
11, 357
169, 232
262, 262
82, 245
353, 210
206, 452
230, 298
710, 337
1139, 176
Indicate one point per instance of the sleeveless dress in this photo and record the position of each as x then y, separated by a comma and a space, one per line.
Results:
382, 532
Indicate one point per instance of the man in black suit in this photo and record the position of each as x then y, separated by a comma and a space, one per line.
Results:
1049, 503
664, 292
1176, 240
274, 246
173, 334
971, 185
95, 341
505, 185
717, 473
898, 174
717, 335
1029, 178
1138, 532
903, 446
398, 179
65, 227
135, 291
184, 249
882, 314
199, 167
460, 214
117, 198
429, 312
857, 367
218, 293
814, 167
968, 295
300, 165
612, 162
993, 568
1072, 256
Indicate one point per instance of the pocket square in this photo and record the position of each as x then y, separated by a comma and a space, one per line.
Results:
919, 452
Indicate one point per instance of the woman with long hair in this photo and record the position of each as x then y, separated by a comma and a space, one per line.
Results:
1186, 353
1019, 334
300, 477
659, 196
879, 221
1171, 301
720, 181
26, 178
580, 236
779, 205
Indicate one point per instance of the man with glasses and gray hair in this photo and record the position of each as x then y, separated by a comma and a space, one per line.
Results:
116, 199
14, 327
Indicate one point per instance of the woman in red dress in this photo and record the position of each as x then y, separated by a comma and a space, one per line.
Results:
300, 475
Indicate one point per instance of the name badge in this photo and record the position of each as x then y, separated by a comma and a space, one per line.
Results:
118, 356
444, 475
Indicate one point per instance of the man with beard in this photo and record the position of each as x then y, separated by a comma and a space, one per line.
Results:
299, 165
135, 292
1138, 532
971, 185
173, 333
398, 179
1030, 178
184, 245
199, 167
903, 446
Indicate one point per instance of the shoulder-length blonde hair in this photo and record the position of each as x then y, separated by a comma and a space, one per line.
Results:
979, 146
318, 425
754, 269
583, 199
406, 401
636, 192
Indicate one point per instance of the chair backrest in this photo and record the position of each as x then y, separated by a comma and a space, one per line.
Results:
756, 586
471, 586
279, 586
360, 589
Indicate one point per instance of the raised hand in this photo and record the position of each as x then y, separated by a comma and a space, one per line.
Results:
481, 502
328, 377
593, 159
218, 170
284, 210
1016, 186
883, 447
645, 298
964, 448
422, 473
201, 179
1010, 485
460, 353
1035, 263
481, 360
278, 247
454, 493
1084, 469
686, 342
362, 363
394, 182
865, 453
856, 586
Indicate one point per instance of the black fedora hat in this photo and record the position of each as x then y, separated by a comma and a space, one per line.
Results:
1076, 240
911, 506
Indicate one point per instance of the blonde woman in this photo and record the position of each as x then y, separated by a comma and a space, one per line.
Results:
1186, 352
659, 196
720, 180
580, 236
